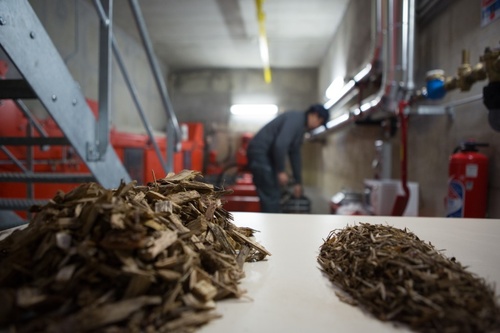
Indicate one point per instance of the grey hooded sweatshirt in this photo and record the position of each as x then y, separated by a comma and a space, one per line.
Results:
281, 137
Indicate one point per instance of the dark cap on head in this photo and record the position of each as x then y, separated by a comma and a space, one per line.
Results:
320, 111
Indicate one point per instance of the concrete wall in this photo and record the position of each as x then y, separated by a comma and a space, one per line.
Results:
348, 154
74, 29
207, 95
440, 45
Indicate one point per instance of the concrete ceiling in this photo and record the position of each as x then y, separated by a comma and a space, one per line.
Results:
190, 34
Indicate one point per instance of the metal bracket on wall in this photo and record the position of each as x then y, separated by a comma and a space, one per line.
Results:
431, 110
434, 110
93, 153
446, 109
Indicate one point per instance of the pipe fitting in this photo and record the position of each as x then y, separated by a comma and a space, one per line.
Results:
435, 84
468, 75
491, 60
491, 92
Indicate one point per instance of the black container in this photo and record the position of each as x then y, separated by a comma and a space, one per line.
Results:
293, 205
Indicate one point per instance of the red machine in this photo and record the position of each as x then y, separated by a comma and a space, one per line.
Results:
139, 156
468, 182
135, 151
236, 176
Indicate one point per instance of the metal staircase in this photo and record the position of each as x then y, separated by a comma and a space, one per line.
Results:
46, 78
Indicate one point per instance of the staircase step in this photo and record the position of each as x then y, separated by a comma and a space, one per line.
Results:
46, 177
15, 89
33, 141
25, 41
20, 204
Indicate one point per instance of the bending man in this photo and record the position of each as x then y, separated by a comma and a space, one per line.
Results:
268, 149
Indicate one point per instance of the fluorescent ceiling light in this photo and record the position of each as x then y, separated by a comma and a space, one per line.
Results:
254, 110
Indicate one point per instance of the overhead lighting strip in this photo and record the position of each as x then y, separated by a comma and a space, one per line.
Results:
264, 49
254, 110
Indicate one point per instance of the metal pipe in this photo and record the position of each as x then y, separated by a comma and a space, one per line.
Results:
410, 83
14, 159
77, 32
463, 101
132, 89
349, 90
388, 82
404, 40
385, 96
27, 113
141, 25
133, 92
170, 148
100, 11
408, 47
30, 157
105, 77
45, 161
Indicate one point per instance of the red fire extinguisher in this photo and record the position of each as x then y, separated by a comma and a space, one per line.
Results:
467, 182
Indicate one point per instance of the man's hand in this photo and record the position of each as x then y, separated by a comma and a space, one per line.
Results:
283, 178
297, 191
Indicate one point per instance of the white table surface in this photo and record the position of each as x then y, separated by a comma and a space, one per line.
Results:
289, 293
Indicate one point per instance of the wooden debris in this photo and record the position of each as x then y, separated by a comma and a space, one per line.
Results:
138, 258
397, 277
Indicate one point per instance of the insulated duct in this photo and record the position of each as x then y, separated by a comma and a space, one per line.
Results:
350, 89
398, 54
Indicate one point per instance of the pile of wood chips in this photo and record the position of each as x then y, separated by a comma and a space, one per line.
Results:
397, 277
136, 259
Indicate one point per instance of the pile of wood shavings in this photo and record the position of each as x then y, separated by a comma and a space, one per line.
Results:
397, 277
136, 259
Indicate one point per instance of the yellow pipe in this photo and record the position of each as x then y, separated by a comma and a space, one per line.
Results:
264, 49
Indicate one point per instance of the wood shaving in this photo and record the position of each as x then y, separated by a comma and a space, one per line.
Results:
397, 277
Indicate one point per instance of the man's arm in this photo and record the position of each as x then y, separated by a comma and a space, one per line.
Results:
283, 143
296, 163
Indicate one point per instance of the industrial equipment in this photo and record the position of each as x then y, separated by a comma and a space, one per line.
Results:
488, 67
135, 151
236, 177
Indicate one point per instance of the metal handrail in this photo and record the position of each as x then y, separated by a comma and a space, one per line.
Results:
132, 89
160, 82
105, 77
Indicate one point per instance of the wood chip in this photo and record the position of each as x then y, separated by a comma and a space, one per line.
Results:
138, 258
165, 239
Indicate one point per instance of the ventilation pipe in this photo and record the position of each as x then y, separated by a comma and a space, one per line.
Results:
350, 89
407, 59
391, 91
408, 51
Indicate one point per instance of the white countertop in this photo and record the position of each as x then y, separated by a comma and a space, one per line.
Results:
289, 293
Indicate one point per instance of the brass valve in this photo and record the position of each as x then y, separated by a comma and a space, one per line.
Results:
468, 75
491, 60
488, 68
438, 83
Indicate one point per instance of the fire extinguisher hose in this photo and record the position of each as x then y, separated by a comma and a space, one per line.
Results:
402, 200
